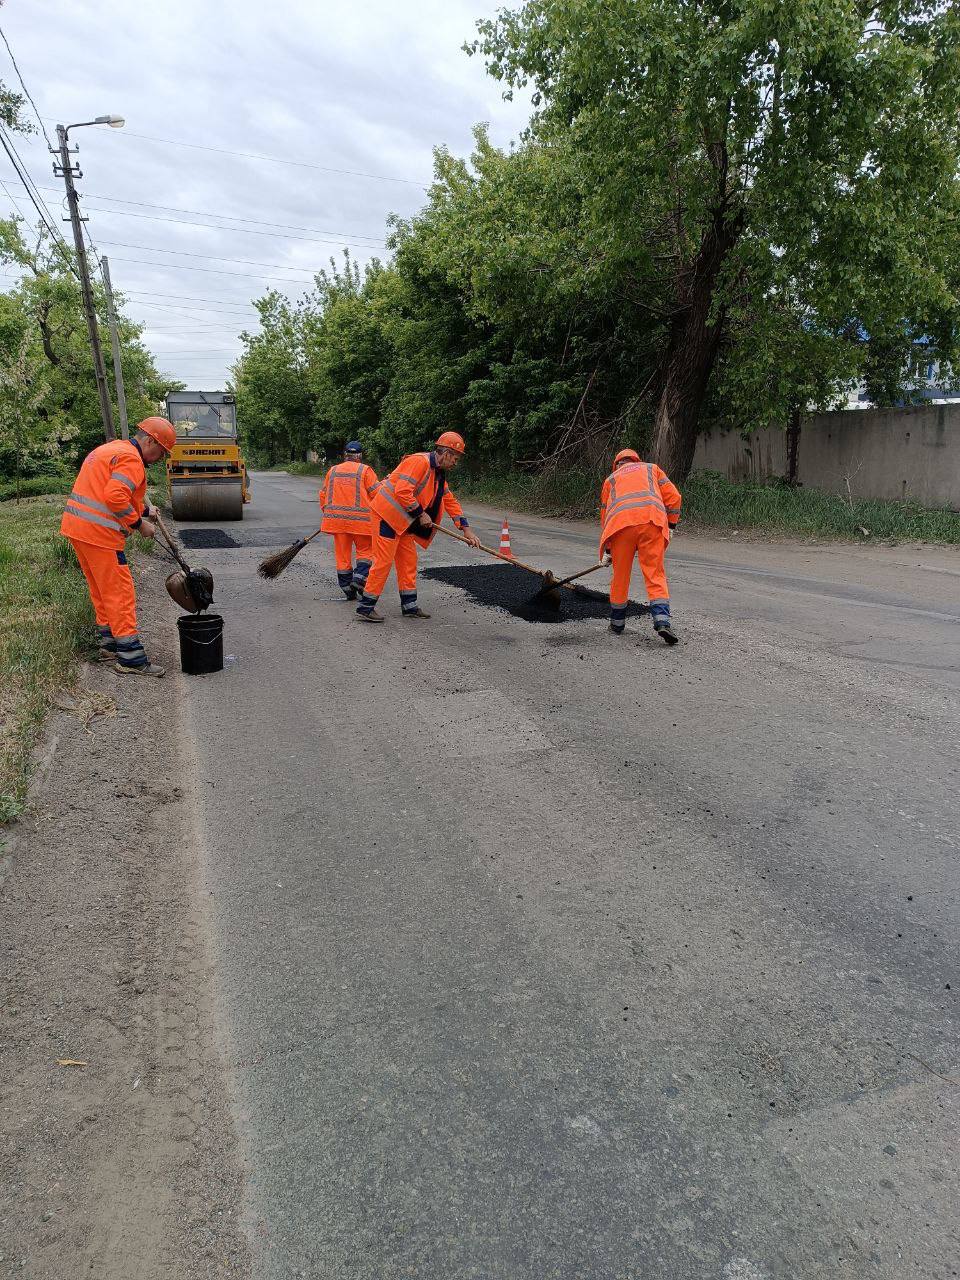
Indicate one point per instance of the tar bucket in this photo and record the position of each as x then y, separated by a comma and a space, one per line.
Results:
201, 643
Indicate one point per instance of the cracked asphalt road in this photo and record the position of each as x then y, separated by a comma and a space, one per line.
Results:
550, 954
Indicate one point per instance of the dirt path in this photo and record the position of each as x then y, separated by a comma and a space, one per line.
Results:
126, 1167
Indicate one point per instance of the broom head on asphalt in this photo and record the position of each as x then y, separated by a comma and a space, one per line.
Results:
274, 565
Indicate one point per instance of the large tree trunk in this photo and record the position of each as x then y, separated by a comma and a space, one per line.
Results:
691, 353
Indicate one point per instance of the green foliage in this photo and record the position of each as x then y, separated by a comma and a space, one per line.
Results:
721, 212
791, 167
37, 486
49, 408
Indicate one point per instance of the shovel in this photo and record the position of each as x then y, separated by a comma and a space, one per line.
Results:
548, 596
192, 589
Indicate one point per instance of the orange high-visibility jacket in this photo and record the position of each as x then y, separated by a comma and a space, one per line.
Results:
108, 496
638, 493
415, 486
345, 498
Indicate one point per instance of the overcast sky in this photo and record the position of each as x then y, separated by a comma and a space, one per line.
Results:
369, 86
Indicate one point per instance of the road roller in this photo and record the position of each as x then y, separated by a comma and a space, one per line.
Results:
206, 472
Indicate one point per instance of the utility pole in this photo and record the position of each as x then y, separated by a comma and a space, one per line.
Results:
115, 347
67, 172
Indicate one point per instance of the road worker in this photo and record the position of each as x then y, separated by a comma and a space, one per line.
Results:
345, 502
639, 506
408, 504
109, 502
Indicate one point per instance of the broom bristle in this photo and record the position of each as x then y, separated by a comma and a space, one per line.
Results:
274, 565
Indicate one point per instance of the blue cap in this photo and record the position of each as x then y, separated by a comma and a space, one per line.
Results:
353, 446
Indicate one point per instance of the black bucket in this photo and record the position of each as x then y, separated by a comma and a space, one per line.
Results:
201, 643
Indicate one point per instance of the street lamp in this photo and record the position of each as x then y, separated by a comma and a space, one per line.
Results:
66, 171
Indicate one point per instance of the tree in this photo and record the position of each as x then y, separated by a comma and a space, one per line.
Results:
274, 407
44, 350
786, 167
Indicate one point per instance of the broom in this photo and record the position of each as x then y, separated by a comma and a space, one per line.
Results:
274, 565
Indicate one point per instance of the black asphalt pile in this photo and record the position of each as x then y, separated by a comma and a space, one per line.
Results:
514, 590
204, 539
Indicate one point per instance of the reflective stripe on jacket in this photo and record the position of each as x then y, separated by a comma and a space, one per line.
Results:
638, 493
409, 490
108, 496
345, 498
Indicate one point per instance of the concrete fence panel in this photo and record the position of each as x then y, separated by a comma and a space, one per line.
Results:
911, 453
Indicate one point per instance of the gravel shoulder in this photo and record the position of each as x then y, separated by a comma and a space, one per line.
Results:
127, 1166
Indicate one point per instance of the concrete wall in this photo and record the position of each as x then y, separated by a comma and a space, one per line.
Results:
886, 453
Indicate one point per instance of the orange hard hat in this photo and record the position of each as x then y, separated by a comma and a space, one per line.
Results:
451, 440
625, 455
161, 430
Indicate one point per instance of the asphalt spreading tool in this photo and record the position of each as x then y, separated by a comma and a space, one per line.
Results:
548, 597
274, 565
192, 589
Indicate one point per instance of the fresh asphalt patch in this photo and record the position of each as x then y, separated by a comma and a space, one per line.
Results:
514, 590
212, 538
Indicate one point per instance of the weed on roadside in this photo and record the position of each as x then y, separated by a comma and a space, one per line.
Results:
45, 622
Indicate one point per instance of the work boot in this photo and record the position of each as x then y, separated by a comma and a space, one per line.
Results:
415, 613
666, 633
106, 655
351, 592
617, 628
145, 669
372, 616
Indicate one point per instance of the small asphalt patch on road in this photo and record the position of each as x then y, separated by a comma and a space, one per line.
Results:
514, 590
208, 539
205, 539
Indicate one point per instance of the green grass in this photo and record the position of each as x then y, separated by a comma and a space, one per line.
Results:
712, 502
299, 468
45, 625
561, 493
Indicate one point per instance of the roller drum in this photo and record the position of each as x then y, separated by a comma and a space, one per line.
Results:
207, 499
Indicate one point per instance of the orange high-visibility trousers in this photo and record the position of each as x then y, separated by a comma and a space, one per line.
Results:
398, 552
110, 584
343, 548
647, 542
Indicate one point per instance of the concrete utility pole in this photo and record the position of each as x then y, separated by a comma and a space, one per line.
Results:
66, 171
115, 348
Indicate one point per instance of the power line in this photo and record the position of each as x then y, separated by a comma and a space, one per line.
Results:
211, 257
180, 297
300, 164
213, 271
246, 231
26, 90
207, 213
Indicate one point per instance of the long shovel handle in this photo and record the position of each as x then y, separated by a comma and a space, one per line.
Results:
582, 574
541, 573
169, 541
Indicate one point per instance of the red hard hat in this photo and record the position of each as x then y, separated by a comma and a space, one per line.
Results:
161, 430
625, 455
451, 440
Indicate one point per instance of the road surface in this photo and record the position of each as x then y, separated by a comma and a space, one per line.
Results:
546, 953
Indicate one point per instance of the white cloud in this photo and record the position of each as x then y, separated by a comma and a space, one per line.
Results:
368, 86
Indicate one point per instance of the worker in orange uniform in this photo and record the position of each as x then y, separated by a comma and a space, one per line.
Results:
345, 502
109, 502
408, 503
639, 506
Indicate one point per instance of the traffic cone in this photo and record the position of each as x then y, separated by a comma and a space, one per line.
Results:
505, 549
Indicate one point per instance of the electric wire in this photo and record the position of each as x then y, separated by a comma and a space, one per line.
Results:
23, 86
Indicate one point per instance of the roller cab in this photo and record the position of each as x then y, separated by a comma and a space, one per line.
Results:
206, 472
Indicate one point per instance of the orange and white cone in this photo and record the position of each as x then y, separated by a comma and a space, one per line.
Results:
505, 549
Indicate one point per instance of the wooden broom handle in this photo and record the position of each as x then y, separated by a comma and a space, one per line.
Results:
541, 573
